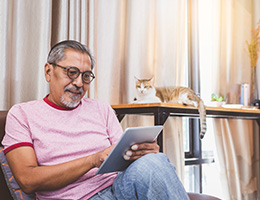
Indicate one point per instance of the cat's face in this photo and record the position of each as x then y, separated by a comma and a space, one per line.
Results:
144, 86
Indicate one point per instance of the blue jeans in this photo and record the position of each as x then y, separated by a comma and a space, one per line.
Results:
150, 177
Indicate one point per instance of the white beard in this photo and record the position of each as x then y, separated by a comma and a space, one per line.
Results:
71, 104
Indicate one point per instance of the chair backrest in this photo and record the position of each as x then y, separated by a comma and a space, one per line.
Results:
4, 191
2, 123
198, 196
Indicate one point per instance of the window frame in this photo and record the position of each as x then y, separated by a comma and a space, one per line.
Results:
194, 157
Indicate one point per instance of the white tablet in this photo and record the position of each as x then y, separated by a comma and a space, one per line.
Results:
133, 135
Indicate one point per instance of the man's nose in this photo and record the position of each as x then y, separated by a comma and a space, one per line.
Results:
78, 81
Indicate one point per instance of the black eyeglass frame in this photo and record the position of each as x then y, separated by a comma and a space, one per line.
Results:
91, 74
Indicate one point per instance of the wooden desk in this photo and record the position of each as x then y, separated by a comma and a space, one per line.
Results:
161, 111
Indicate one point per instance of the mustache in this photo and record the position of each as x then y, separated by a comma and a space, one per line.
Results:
73, 88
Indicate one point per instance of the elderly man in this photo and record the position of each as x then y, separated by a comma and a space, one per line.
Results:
54, 146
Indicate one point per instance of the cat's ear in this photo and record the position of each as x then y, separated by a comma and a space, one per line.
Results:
136, 79
151, 79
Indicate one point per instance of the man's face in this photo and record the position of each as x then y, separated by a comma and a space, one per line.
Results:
64, 91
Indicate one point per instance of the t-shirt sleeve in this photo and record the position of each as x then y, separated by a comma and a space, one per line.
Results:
114, 128
17, 132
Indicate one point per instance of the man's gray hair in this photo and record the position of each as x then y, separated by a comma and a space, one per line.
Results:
57, 52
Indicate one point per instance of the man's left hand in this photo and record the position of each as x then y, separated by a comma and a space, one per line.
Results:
139, 150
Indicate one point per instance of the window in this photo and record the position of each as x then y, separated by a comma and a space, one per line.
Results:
199, 154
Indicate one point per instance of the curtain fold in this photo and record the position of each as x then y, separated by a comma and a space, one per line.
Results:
109, 50
236, 157
24, 50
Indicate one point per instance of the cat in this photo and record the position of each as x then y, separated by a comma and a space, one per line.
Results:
147, 93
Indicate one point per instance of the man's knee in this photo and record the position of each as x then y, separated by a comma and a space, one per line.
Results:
151, 176
152, 163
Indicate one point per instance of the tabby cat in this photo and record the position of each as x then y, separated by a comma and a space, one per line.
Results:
147, 93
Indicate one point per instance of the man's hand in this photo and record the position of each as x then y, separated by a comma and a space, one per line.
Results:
99, 157
139, 150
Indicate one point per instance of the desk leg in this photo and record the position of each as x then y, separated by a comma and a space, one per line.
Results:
120, 117
159, 119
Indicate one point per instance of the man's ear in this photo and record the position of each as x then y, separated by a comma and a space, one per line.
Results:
47, 70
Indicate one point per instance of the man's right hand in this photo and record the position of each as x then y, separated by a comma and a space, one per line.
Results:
99, 157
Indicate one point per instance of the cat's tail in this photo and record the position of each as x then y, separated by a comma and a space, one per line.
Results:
203, 124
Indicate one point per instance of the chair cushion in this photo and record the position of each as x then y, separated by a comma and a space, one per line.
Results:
198, 196
14, 188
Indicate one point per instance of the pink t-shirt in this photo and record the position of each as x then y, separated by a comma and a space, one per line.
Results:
59, 135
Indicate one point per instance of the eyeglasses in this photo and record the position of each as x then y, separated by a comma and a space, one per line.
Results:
74, 72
